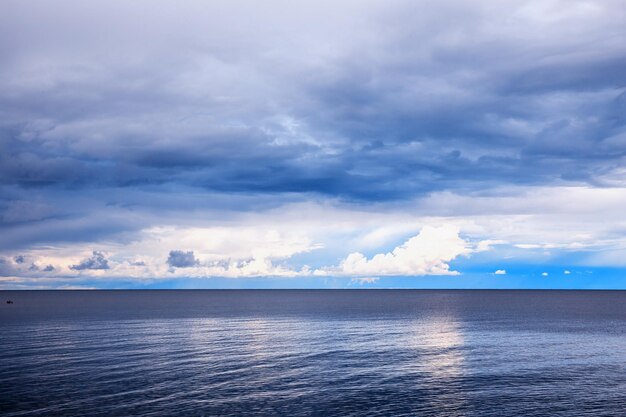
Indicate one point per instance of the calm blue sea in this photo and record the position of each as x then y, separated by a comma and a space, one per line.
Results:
313, 353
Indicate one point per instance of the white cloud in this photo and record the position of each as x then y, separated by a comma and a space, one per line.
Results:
545, 274
427, 253
567, 272
542, 221
269, 242
365, 280
500, 272
485, 245
234, 251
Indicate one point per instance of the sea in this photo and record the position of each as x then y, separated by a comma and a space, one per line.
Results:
313, 353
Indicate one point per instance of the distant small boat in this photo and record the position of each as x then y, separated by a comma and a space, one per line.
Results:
9, 302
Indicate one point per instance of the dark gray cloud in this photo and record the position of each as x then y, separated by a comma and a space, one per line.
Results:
49, 268
96, 261
181, 259
19, 259
359, 101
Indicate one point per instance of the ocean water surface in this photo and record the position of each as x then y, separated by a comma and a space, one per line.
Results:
313, 353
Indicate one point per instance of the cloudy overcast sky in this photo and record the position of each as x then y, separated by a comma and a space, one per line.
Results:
355, 144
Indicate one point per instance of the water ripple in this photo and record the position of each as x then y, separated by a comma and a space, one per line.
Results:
435, 356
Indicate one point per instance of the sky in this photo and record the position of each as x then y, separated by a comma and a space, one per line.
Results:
313, 144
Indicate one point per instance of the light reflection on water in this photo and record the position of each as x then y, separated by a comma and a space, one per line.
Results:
409, 353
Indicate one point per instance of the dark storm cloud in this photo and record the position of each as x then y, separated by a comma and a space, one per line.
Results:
96, 261
80, 224
181, 259
361, 101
